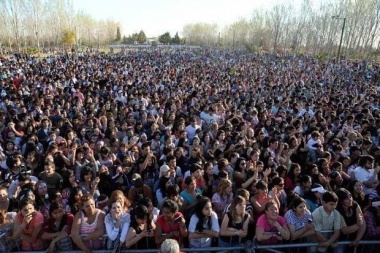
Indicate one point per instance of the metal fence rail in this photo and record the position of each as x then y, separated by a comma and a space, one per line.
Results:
249, 247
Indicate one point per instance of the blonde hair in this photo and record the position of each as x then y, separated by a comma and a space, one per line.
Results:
223, 185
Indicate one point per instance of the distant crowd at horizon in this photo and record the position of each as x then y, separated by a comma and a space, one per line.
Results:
206, 147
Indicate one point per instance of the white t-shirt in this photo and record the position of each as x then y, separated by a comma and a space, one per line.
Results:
204, 241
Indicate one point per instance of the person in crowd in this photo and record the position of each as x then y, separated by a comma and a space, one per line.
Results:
278, 183
356, 189
28, 226
292, 177
372, 218
89, 182
139, 190
74, 201
52, 179
304, 185
353, 222
171, 224
190, 195
327, 222
141, 230
313, 197
58, 229
270, 226
262, 198
161, 193
6, 204
88, 226
222, 197
299, 220
204, 225
117, 223
234, 226
170, 246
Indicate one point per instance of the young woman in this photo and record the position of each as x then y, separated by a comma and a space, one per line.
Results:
299, 219
203, 225
88, 226
190, 195
88, 182
222, 197
141, 231
58, 229
292, 178
28, 225
262, 197
270, 227
372, 219
354, 225
117, 224
170, 224
313, 197
161, 193
235, 223
357, 190
74, 203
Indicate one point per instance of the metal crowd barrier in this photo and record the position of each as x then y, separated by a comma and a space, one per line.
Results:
249, 247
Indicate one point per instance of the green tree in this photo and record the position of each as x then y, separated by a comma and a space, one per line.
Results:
141, 37
176, 39
68, 37
165, 38
118, 34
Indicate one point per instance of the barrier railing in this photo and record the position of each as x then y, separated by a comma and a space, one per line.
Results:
249, 247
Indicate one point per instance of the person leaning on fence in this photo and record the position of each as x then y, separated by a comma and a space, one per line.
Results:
28, 225
235, 223
353, 223
204, 225
300, 221
88, 226
327, 222
171, 224
271, 227
58, 229
117, 224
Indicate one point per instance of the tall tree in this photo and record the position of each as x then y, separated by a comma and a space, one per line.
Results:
118, 34
176, 39
165, 38
141, 38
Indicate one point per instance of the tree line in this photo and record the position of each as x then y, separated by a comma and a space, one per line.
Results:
285, 28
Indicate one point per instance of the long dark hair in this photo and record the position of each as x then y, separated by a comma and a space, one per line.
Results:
54, 206
199, 213
141, 212
162, 183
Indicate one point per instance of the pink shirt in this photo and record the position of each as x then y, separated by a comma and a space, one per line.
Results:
263, 223
37, 219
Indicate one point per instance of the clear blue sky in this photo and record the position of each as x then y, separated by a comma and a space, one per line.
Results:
156, 17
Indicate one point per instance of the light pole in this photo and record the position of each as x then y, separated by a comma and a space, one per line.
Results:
341, 35
233, 38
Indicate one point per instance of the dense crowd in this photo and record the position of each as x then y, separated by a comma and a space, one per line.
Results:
206, 147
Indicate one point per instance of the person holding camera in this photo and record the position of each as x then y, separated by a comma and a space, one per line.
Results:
141, 231
171, 224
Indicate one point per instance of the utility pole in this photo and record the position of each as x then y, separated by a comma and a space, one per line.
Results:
341, 35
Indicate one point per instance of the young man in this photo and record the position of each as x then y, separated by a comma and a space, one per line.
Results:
327, 223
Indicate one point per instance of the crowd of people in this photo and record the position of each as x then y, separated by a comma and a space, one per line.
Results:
209, 148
